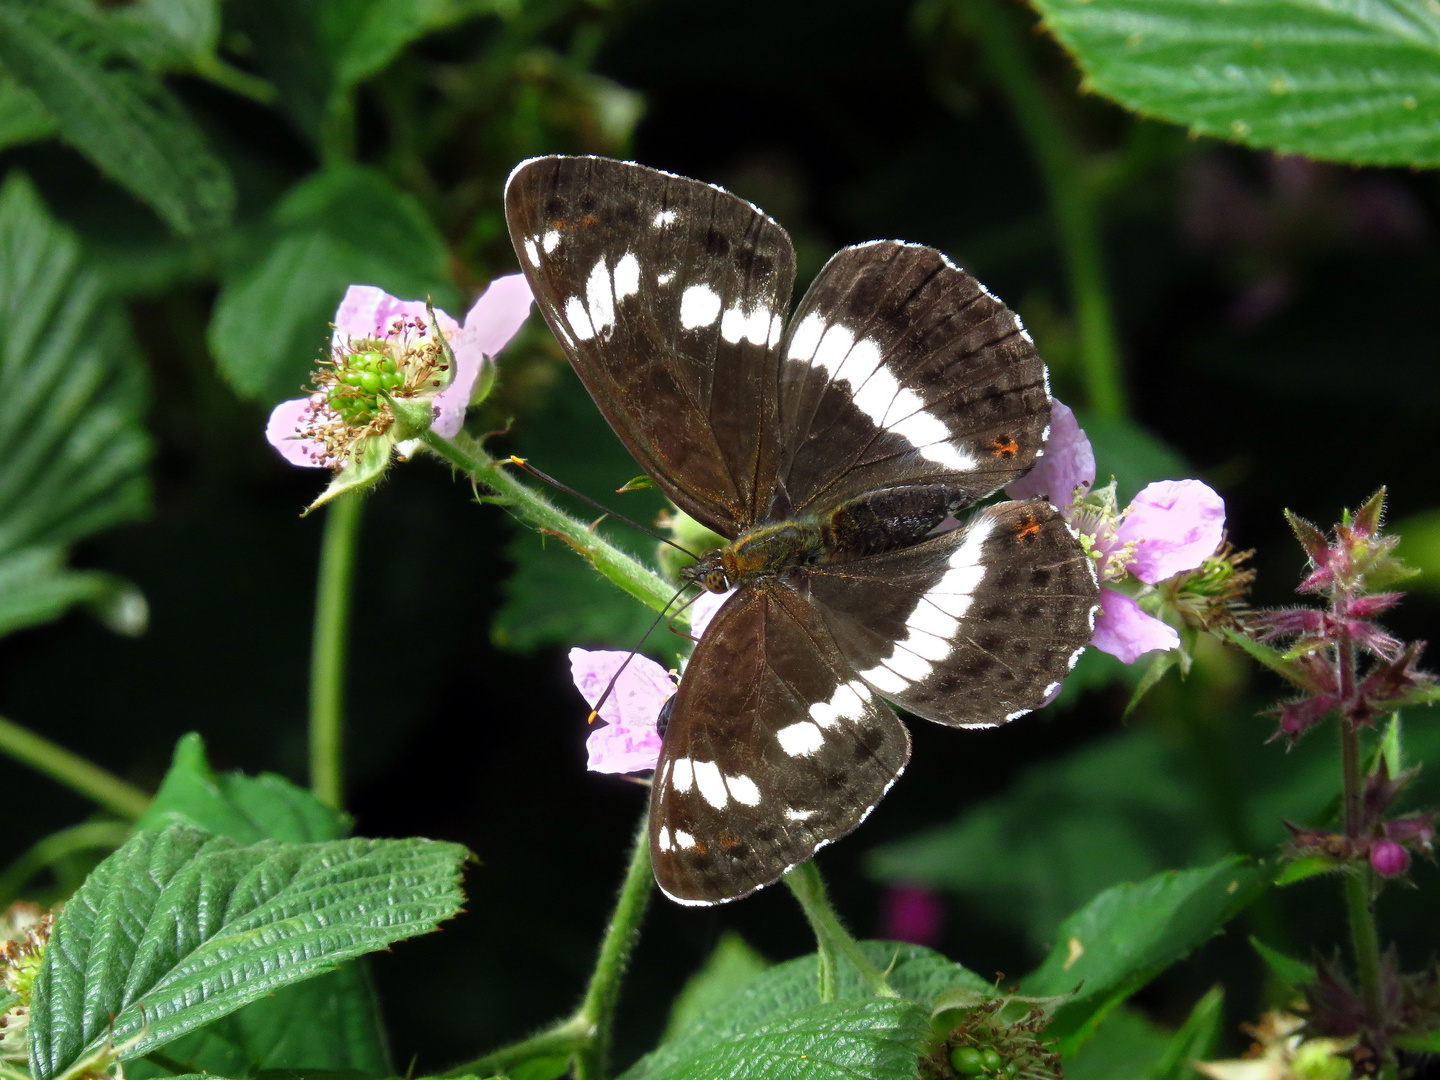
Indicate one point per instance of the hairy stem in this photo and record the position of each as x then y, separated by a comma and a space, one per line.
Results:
597, 1011
831, 937
1360, 882
72, 770
1073, 200
327, 654
588, 1034
533, 509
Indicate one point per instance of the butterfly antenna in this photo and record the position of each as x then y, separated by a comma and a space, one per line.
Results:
521, 463
610, 686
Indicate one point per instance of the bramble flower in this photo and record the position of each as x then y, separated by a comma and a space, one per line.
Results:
629, 739
1389, 858
1172, 527
24, 933
389, 377
1281, 1052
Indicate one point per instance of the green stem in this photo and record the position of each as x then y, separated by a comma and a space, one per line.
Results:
831, 937
587, 1035
220, 73
90, 836
72, 770
337, 130
1072, 200
1359, 881
327, 654
532, 508
597, 1011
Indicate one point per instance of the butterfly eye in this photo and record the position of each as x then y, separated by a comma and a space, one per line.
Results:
716, 581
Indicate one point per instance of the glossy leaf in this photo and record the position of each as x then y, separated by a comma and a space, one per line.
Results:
72, 398
118, 115
337, 228
179, 928
1334, 79
1128, 934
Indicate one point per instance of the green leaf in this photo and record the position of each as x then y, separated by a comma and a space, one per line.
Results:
119, 116
167, 34
731, 967
1293, 973
1331, 79
1273, 659
244, 808
364, 36
179, 928
72, 398
1130, 933
337, 228
1125, 1047
1129, 453
22, 118
919, 975
1307, 866
1420, 1044
1196, 1039
369, 458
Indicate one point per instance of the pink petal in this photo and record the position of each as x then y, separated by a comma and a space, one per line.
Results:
1174, 525
283, 431
629, 741
704, 609
1067, 463
368, 312
493, 320
1123, 630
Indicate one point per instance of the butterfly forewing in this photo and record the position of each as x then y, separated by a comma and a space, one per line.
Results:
774, 748
669, 297
974, 627
901, 368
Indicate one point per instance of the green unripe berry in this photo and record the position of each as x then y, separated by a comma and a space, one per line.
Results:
993, 1060
967, 1060
370, 381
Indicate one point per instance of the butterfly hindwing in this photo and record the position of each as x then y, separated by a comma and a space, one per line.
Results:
901, 368
973, 627
774, 748
669, 297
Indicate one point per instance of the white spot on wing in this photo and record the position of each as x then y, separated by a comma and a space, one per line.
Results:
806, 337
579, 319
599, 298
711, 784
683, 775
627, 276
1016, 715
699, 306
663, 218
532, 252
799, 815
743, 790
665, 278
684, 839
800, 739
550, 241
666, 843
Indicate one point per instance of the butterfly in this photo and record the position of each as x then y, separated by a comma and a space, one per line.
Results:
829, 447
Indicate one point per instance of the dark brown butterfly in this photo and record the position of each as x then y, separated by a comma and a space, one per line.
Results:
829, 448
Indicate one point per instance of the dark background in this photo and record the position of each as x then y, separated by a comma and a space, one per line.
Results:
1278, 323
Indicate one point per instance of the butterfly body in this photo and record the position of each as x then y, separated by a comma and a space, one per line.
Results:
829, 449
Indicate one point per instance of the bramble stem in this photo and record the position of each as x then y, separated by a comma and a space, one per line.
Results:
327, 653
588, 1034
1073, 201
831, 937
597, 1011
72, 770
536, 511
1360, 881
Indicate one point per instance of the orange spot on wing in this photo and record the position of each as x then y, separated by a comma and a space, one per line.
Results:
588, 220
729, 840
1027, 528
1005, 446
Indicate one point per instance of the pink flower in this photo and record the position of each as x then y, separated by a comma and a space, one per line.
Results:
705, 608
629, 741
1389, 858
1171, 527
912, 913
391, 342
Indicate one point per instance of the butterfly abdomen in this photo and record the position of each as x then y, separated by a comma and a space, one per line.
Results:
886, 520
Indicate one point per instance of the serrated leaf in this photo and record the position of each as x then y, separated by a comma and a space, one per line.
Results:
244, 808
340, 227
1128, 934
1307, 866
72, 397
879, 1040
1331, 79
1293, 973
918, 974
731, 967
1273, 659
179, 928
118, 115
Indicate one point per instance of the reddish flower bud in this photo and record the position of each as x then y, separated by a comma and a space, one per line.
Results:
1389, 858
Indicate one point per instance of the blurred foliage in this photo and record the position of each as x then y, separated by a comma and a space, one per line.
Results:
226, 170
